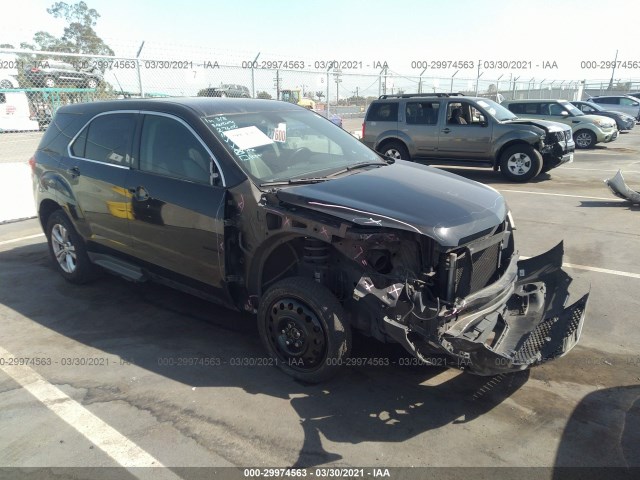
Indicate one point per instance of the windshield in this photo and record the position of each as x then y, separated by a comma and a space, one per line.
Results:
496, 110
573, 110
595, 106
282, 145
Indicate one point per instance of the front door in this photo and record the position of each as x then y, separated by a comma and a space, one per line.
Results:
177, 201
466, 132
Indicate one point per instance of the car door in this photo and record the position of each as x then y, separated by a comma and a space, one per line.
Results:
421, 126
98, 161
177, 199
468, 139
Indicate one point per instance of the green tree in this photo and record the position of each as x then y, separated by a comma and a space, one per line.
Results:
264, 95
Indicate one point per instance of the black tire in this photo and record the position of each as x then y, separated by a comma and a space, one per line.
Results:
521, 163
75, 270
395, 150
300, 310
585, 139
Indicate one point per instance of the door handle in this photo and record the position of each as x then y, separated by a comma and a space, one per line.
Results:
446, 130
140, 194
74, 172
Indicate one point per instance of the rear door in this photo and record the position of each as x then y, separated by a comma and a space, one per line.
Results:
98, 161
177, 199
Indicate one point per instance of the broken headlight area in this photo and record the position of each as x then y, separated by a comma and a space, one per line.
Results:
495, 314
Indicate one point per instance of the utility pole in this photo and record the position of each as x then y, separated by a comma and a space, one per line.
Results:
451, 87
253, 81
613, 72
277, 80
420, 82
138, 68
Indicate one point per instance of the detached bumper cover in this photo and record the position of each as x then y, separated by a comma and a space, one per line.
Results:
620, 189
519, 322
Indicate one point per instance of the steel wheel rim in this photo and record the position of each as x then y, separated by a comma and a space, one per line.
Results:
583, 139
92, 84
49, 83
296, 335
63, 249
393, 153
519, 164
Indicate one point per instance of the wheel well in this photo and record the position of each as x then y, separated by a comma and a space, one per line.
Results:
281, 262
387, 141
496, 160
47, 207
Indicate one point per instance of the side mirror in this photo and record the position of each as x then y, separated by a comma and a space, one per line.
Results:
564, 113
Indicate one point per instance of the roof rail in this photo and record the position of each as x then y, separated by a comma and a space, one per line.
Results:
425, 95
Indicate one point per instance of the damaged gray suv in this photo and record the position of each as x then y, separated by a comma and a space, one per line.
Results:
265, 207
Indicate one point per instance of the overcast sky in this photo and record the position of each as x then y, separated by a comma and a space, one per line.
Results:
396, 31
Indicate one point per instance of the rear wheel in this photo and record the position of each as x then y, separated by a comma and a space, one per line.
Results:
395, 150
68, 250
521, 163
92, 83
584, 139
303, 327
49, 82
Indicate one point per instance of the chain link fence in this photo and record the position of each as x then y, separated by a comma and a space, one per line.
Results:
34, 84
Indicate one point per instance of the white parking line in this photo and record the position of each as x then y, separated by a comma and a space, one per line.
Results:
613, 199
600, 169
15, 240
122, 450
596, 269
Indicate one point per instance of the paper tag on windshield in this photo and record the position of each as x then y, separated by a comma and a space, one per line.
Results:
280, 133
247, 137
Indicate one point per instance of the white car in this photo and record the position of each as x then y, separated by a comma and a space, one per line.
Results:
15, 114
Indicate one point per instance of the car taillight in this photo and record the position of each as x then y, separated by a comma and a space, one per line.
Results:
35, 70
11, 109
32, 164
362, 129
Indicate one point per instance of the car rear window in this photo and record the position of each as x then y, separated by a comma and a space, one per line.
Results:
524, 108
383, 112
108, 139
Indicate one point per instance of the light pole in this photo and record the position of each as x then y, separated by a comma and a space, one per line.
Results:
420, 81
451, 87
138, 68
253, 82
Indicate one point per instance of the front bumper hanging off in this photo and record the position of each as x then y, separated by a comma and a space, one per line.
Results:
519, 321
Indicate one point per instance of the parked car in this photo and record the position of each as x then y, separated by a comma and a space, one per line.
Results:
623, 121
15, 114
56, 74
459, 130
314, 233
226, 90
635, 95
588, 130
619, 103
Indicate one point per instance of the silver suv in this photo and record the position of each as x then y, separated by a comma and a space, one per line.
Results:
453, 129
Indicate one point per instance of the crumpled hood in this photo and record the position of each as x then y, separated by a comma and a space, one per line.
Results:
407, 196
546, 125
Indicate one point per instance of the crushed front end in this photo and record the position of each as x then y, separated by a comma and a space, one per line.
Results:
477, 306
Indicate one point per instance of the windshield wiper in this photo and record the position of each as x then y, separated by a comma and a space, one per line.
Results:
355, 166
293, 181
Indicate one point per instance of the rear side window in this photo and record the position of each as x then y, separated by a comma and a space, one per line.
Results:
607, 101
169, 148
106, 139
383, 112
524, 108
422, 113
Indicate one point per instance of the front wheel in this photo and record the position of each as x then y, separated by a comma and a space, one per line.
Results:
521, 163
584, 139
304, 328
92, 83
395, 150
49, 82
